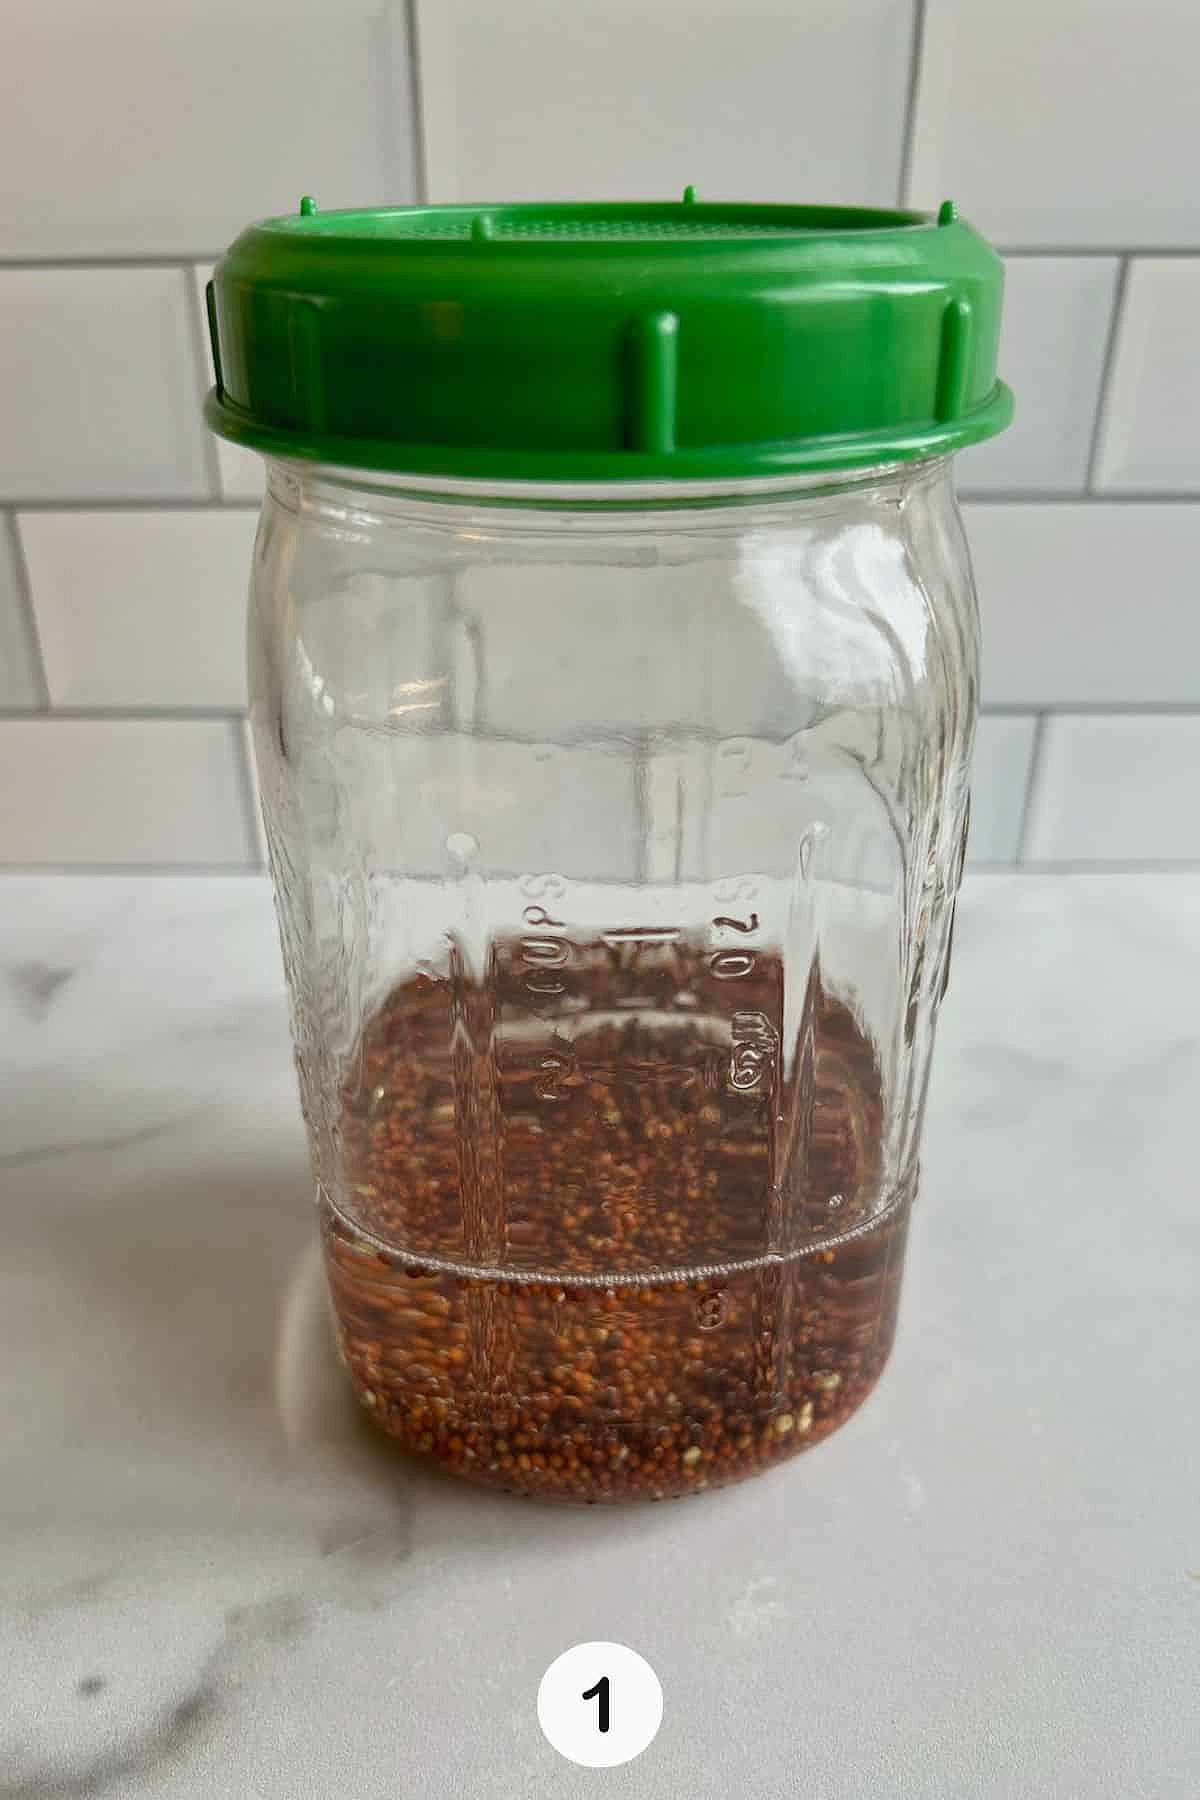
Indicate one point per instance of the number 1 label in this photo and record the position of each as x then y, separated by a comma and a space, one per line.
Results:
576, 1710
603, 1693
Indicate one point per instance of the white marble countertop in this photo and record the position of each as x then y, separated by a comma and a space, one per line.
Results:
215, 1581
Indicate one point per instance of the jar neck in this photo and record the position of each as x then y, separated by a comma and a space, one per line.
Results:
321, 487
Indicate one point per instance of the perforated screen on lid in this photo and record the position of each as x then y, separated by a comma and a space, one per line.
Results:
606, 230
643, 222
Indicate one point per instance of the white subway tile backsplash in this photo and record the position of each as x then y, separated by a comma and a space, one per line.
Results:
20, 679
1057, 313
1151, 436
141, 609
119, 791
1117, 788
163, 129
764, 100
1084, 603
99, 387
1062, 122
999, 783
1065, 130
242, 472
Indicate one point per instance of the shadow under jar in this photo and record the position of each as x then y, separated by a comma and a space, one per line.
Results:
614, 773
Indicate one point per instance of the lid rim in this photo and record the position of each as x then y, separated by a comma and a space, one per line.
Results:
721, 462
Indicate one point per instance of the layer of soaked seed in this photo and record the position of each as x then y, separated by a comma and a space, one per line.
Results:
619, 1253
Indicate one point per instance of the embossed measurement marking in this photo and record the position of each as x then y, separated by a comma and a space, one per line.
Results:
755, 1040
544, 952
755, 1047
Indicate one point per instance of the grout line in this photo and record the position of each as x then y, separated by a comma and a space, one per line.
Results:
250, 814
1104, 391
20, 871
197, 328
1094, 250
911, 98
156, 503
1001, 709
122, 715
1059, 253
1086, 709
1078, 497
420, 169
113, 261
434, 59
1033, 780
8, 523
969, 496
1111, 865
391, 32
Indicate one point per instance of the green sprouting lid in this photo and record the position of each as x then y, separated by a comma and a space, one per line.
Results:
607, 342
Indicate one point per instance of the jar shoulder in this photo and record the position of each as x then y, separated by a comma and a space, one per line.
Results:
740, 624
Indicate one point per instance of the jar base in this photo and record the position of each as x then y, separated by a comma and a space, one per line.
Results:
795, 1351
620, 1477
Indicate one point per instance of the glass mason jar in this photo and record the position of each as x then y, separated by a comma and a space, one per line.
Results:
615, 829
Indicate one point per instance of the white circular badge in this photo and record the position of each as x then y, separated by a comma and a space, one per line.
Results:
600, 1704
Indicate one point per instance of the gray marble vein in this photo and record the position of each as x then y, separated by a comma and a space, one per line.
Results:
36, 985
92, 1146
216, 1580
